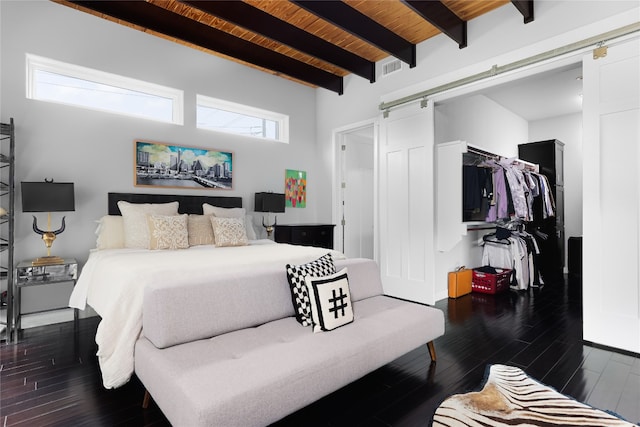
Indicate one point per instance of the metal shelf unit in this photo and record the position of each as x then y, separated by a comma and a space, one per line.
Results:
7, 227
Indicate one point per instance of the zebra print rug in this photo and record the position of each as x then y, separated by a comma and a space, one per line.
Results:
511, 398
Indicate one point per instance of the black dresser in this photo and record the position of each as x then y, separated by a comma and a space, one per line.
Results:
320, 235
549, 155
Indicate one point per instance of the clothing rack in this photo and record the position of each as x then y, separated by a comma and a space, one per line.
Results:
490, 238
523, 164
516, 184
478, 151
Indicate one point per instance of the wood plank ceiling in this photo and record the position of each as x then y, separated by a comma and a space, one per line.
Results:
312, 42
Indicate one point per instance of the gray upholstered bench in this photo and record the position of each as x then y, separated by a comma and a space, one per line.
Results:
232, 353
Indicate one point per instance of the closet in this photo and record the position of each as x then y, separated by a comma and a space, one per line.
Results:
494, 196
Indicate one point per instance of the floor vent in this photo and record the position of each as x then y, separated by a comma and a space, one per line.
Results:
391, 67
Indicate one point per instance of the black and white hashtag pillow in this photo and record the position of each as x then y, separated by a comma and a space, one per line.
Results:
330, 301
296, 274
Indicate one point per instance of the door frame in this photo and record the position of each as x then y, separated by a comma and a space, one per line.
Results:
337, 139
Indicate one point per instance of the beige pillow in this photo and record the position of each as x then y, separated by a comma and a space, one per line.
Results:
229, 231
136, 229
110, 232
168, 232
200, 230
208, 209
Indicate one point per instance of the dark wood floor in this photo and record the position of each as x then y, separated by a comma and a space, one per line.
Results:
51, 376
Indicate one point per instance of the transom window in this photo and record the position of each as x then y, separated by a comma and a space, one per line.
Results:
55, 81
224, 116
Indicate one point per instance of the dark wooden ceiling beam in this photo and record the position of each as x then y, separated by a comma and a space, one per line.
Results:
349, 19
441, 17
258, 21
526, 9
173, 25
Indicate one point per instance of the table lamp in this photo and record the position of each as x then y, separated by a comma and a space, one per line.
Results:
48, 196
269, 202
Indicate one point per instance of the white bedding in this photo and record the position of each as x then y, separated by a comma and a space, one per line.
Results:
112, 282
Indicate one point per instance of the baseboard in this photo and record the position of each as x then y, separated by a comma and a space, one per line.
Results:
613, 349
46, 318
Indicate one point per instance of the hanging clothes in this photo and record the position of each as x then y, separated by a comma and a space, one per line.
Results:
477, 191
515, 179
532, 193
500, 208
477, 187
548, 203
514, 195
516, 252
504, 189
533, 250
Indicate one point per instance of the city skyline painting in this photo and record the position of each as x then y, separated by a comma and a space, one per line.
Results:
159, 164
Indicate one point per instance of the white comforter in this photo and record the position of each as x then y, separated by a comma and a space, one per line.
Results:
112, 282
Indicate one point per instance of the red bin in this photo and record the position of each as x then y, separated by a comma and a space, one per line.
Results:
488, 283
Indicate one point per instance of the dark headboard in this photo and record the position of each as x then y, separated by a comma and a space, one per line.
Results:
188, 204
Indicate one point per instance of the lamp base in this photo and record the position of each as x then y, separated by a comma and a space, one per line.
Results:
47, 260
269, 228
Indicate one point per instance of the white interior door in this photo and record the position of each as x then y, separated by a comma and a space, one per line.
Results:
405, 203
357, 159
611, 198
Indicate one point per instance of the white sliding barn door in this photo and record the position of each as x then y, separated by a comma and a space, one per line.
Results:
406, 203
611, 256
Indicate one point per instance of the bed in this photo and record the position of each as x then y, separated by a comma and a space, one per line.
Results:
113, 279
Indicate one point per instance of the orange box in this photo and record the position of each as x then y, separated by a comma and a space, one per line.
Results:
460, 282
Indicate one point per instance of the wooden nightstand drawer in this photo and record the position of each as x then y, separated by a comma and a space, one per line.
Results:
320, 235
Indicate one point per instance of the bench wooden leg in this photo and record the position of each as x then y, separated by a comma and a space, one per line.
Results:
146, 399
432, 351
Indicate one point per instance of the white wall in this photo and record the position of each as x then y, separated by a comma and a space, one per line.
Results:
482, 122
95, 150
567, 129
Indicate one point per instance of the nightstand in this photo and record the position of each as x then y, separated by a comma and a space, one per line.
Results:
43, 279
320, 235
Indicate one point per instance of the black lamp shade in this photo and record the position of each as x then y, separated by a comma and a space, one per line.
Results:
269, 202
47, 197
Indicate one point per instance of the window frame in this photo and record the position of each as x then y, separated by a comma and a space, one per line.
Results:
281, 120
36, 63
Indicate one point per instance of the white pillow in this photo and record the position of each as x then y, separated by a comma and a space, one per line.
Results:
110, 232
248, 225
229, 231
136, 229
208, 209
200, 230
330, 301
168, 232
